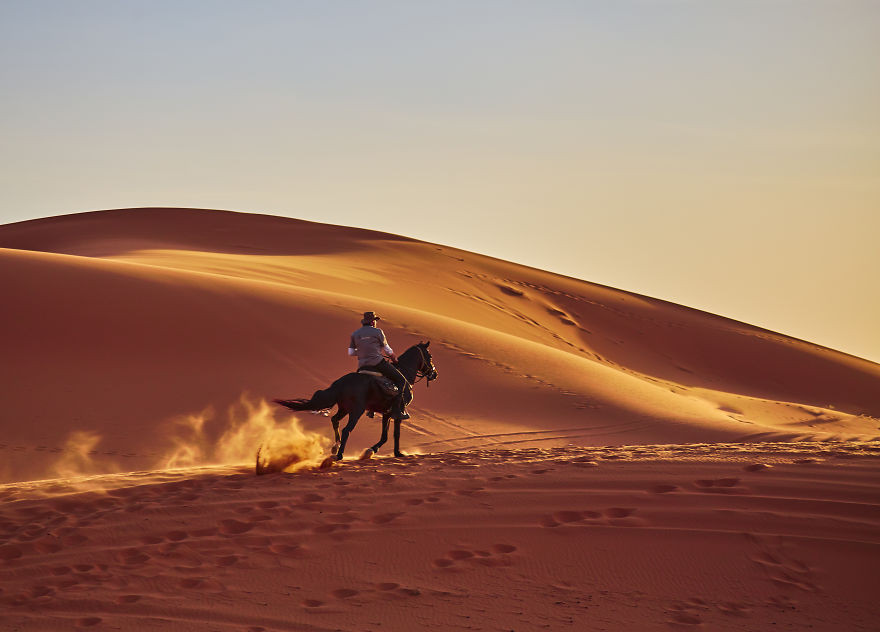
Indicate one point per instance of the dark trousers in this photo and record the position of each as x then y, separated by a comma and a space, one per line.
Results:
387, 369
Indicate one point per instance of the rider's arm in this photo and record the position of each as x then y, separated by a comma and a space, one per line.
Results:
352, 346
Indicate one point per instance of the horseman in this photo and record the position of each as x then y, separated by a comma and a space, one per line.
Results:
369, 344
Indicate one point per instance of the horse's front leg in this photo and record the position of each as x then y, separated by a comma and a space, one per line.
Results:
397, 451
353, 417
340, 413
384, 437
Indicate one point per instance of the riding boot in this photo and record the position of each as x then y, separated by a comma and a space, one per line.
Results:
400, 409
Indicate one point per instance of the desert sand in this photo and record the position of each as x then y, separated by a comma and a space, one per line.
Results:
589, 458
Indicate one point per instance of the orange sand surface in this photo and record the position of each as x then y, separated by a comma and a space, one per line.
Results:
589, 459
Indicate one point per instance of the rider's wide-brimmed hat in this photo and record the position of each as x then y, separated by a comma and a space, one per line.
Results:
369, 317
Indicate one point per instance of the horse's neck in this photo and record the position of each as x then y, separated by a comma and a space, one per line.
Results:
408, 364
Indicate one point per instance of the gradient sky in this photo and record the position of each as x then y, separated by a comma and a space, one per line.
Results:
722, 155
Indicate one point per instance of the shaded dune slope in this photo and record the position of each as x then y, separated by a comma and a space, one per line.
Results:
118, 324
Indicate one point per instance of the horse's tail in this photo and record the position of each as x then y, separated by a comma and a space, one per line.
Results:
321, 400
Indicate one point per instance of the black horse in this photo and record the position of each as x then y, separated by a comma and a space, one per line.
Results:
357, 393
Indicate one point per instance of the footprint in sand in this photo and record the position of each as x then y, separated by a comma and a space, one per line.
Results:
267, 504
234, 527
720, 486
132, 557
757, 467
510, 291
385, 518
443, 563
623, 517
549, 522
89, 621
330, 527
459, 555
227, 560
344, 593
686, 618
662, 489
503, 548
387, 586
176, 536
48, 544
568, 516
619, 512
313, 603
205, 533
123, 599
734, 609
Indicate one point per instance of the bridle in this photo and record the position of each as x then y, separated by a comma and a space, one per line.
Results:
429, 373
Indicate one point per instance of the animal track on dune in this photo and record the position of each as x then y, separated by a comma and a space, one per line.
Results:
511, 291
568, 516
498, 556
729, 485
619, 512
773, 557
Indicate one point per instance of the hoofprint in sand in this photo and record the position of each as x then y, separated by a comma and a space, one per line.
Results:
770, 536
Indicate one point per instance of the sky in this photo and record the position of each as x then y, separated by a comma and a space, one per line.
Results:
724, 155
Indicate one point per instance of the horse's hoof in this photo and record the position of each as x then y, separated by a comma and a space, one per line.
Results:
367, 455
339, 456
399, 455
334, 449
326, 463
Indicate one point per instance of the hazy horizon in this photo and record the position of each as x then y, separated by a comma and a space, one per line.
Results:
723, 156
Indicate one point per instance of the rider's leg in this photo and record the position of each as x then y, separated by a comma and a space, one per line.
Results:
405, 396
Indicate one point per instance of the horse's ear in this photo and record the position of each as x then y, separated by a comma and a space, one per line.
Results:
427, 344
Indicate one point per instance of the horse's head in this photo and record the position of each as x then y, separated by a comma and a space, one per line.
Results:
427, 367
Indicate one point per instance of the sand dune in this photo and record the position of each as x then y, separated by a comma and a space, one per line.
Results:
118, 323
140, 348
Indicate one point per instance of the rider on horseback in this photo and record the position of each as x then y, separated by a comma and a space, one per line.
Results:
369, 343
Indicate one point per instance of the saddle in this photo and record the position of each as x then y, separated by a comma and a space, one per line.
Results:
387, 386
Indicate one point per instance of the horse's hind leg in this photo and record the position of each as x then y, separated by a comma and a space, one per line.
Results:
384, 436
353, 417
340, 413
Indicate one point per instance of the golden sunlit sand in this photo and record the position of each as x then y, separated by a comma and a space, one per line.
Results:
589, 459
